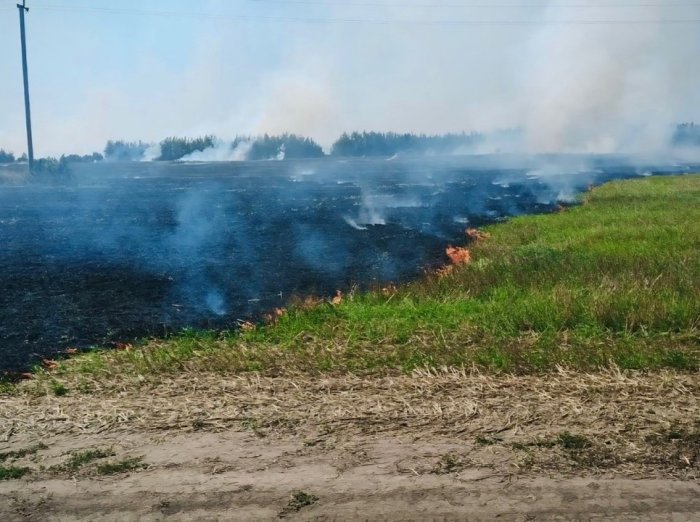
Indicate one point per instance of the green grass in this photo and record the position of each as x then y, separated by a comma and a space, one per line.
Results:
573, 442
613, 281
12, 472
21, 453
59, 389
80, 459
299, 500
6, 386
120, 466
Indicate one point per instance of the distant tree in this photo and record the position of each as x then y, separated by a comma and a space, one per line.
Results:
125, 150
286, 146
87, 158
687, 135
6, 157
50, 166
391, 143
172, 149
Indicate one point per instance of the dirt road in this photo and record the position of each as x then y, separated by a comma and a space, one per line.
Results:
450, 446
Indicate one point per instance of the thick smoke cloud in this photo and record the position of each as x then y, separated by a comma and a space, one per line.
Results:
572, 87
608, 88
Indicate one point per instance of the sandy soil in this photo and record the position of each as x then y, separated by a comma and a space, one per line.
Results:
448, 446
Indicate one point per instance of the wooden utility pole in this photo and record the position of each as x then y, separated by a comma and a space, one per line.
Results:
30, 147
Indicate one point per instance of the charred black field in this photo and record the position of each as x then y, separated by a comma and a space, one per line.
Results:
117, 251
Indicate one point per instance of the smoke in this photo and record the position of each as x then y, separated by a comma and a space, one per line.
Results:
222, 151
571, 87
121, 250
302, 102
608, 88
151, 153
377, 205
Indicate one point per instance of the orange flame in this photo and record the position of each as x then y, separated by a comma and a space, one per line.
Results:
458, 255
389, 290
306, 303
247, 326
49, 364
476, 235
274, 316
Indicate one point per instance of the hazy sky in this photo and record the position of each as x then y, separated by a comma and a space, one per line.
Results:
147, 69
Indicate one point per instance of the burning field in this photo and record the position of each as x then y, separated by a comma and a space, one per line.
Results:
124, 250
487, 308
551, 373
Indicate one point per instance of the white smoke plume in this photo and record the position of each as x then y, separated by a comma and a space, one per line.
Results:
552, 69
608, 88
222, 151
152, 152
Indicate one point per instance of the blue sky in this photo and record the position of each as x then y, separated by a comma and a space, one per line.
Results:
152, 68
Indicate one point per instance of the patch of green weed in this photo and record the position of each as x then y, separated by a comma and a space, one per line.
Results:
12, 472
80, 459
121, 466
59, 389
573, 442
299, 500
18, 454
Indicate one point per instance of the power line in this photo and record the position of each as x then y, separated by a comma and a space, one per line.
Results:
378, 21
433, 5
320, 20
492, 5
368, 3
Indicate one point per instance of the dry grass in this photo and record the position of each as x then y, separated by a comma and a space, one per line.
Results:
610, 421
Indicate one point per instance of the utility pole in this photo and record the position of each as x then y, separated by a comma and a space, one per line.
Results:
30, 147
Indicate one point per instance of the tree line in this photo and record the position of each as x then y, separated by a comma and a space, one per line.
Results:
9, 157
292, 146
286, 146
391, 143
